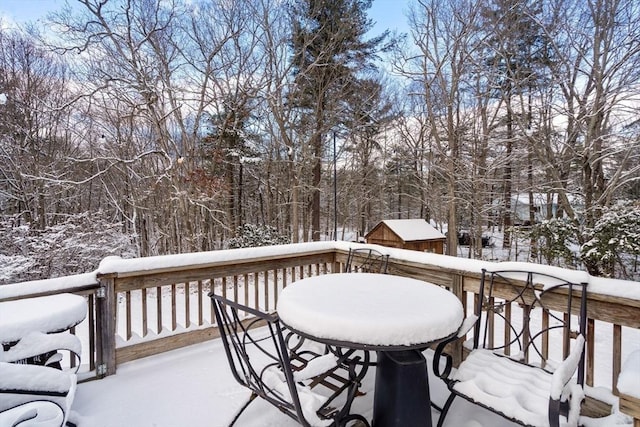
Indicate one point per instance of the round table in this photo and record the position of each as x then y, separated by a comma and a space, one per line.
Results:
393, 315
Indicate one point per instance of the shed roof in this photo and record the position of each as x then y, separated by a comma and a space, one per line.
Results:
410, 230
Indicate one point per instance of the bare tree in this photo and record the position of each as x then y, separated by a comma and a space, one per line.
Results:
161, 73
445, 40
592, 153
36, 181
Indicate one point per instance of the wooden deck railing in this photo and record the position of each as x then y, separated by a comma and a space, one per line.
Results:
168, 308
147, 306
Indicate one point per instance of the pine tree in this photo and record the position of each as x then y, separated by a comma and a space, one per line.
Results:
614, 237
330, 52
517, 47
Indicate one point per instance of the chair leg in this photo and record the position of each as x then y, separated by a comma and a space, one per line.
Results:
251, 399
445, 409
360, 421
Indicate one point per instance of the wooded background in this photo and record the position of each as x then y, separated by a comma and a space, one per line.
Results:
149, 127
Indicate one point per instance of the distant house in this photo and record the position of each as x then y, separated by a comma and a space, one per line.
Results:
414, 234
520, 207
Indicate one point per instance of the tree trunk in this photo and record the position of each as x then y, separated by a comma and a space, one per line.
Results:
507, 177
315, 187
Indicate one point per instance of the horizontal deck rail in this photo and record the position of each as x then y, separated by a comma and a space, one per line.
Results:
141, 307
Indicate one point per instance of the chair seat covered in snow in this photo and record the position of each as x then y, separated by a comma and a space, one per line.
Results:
303, 382
511, 369
35, 388
38, 394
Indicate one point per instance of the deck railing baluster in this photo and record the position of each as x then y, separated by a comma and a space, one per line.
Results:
590, 352
158, 310
256, 290
145, 326
492, 329
275, 287
224, 286
212, 317
245, 287
200, 304
507, 331
616, 356
174, 317
91, 332
545, 336
187, 305
127, 302
266, 290
235, 288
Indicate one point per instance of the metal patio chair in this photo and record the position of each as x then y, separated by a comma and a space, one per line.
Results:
269, 360
509, 370
366, 260
36, 389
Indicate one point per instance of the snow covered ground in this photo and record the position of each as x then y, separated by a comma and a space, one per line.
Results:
193, 387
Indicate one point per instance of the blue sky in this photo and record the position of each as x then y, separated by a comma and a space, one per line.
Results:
387, 13
28, 10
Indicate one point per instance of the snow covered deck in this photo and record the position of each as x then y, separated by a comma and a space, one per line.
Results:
193, 387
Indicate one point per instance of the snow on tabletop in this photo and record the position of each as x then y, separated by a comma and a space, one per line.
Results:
468, 323
370, 309
629, 378
52, 313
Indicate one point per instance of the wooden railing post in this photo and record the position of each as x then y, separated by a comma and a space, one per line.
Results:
457, 289
106, 328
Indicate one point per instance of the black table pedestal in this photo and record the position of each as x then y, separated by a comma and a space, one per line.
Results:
401, 396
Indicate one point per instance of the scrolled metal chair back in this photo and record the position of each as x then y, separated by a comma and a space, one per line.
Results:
528, 307
366, 260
